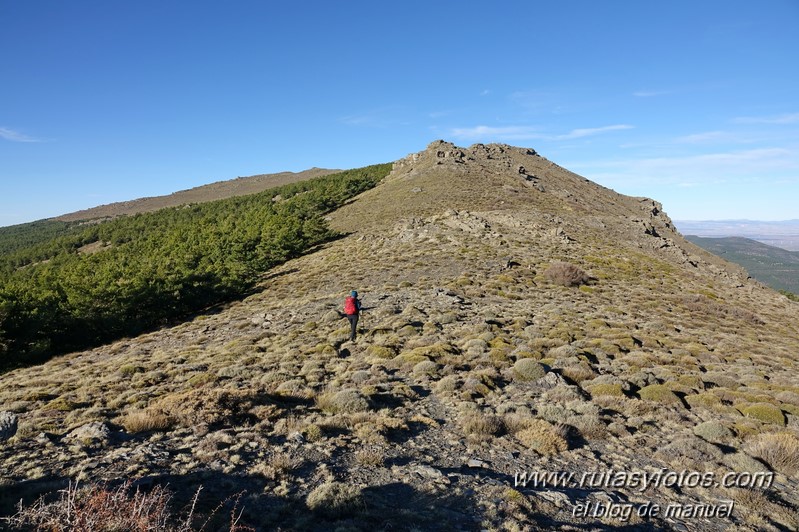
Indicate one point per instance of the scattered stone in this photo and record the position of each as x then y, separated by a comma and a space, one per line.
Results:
8, 425
91, 434
474, 462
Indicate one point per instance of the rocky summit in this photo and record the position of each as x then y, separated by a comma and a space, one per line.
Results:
535, 352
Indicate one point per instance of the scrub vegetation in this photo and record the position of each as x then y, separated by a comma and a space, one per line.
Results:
74, 286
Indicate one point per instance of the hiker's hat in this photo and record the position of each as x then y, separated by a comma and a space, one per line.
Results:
354, 293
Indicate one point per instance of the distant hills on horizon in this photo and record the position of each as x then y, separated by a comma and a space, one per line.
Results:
782, 234
773, 266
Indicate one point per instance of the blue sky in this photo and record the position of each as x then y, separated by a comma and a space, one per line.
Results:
695, 104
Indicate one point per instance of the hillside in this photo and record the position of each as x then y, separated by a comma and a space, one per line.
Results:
230, 188
521, 320
776, 267
782, 234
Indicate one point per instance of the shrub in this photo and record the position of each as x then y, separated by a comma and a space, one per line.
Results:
704, 399
713, 431
605, 389
100, 507
335, 499
765, 412
343, 402
527, 369
579, 372
370, 456
482, 425
543, 437
381, 352
779, 450
566, 274
658, 393
425, 367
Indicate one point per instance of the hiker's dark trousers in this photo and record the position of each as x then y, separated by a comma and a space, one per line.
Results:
353, 324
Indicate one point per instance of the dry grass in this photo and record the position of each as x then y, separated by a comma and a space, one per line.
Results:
780, 450
102, 507
481, 425
145, 421
543, 437
99, 507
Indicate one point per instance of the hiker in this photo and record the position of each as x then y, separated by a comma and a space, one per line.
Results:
352, 308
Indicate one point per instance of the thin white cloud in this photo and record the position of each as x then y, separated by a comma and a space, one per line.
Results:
767, 164
500, 133
705, 137
485, 92
588, 132
15, 136
529, 132
788, 118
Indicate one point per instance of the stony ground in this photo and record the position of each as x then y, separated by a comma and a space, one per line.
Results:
474, 366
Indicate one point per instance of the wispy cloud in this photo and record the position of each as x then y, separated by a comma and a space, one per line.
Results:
588, 132
788, 118
707, 137
499, 133
15, 136
710, 168
529, 132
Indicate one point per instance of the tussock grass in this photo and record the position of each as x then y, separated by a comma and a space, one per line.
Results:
780, 450
145, 421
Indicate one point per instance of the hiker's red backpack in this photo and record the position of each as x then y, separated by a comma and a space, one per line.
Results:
350, 307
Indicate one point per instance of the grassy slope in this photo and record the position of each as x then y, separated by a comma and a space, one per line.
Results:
665, 361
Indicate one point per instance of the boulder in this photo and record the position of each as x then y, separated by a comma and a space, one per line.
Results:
8, 425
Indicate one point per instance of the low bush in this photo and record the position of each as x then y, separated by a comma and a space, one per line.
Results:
766, 412
342, 402
713, 431
566, 274
613, 390
527, 369
543, 437
658, 393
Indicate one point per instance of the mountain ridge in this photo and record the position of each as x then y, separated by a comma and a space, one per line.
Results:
239, 186
477, 360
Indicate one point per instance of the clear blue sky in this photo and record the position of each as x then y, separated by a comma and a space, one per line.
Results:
693, 103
